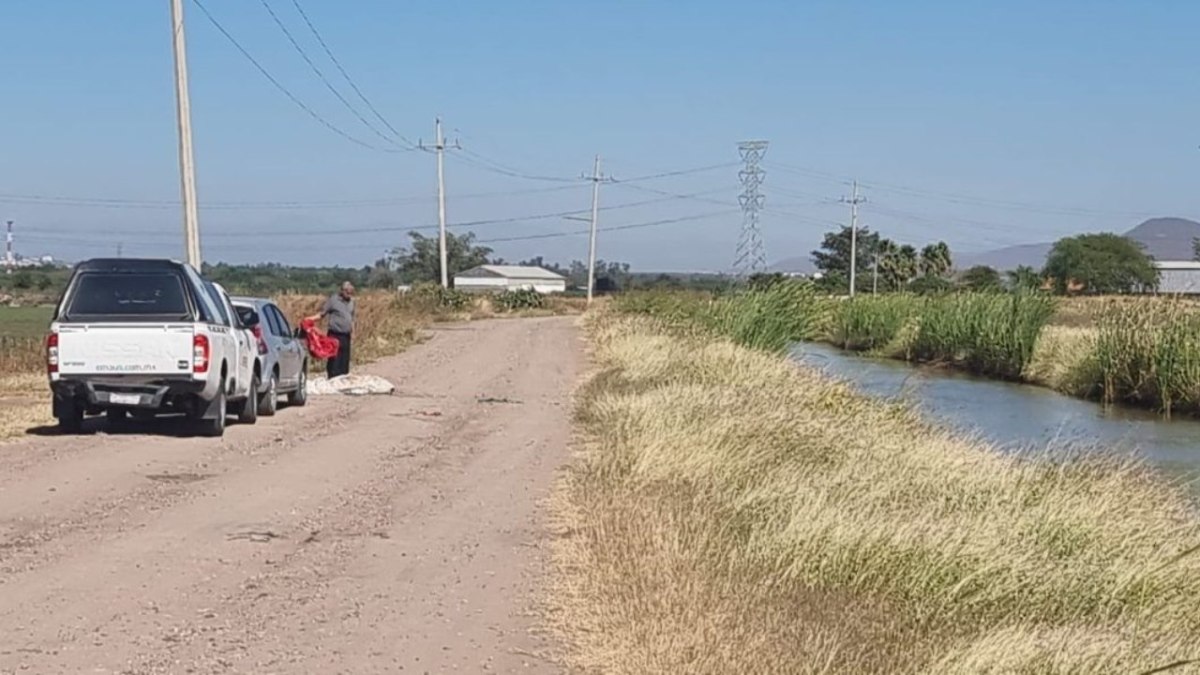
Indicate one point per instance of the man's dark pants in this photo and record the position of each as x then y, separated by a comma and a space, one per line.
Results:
340, 364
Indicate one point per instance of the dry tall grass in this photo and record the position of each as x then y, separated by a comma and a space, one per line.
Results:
733, 513
22, 354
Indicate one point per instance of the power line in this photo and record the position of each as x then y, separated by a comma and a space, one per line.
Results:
360, 246
284, 90
292, 232
481, 162
668, 193
956, 198
680, 172
121, 203
321, 76
615, 228
346, 75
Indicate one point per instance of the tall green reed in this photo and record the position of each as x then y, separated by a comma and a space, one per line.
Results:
1149, 354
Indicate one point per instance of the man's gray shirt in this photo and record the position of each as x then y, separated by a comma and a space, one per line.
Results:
340, 313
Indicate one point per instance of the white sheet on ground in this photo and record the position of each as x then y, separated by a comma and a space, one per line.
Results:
350, 385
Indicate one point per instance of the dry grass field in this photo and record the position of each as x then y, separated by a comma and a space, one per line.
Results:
730, 512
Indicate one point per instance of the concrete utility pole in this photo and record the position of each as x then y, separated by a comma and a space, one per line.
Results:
10, 258
441, 151
187, 166
854, 201
875, 276
592, 236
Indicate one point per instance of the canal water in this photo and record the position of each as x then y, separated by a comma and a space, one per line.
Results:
1017, 416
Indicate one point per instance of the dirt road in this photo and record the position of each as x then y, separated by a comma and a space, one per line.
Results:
357, 535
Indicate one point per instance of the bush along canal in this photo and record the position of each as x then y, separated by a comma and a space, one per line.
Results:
1143, 352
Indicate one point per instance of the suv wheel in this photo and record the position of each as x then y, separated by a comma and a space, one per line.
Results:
299, 397
269, 403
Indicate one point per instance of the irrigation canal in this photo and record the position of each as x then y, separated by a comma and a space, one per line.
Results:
1018, 416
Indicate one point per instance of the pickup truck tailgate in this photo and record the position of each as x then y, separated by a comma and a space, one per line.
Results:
135, 348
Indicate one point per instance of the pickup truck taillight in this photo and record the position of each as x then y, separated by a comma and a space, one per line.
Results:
52, 353
258, 335
200, 353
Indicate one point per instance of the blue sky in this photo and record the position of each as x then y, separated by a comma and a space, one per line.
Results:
983, 124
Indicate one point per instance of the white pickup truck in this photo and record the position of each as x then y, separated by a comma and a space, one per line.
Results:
146, 337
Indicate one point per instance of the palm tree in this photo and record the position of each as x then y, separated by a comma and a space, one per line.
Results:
935, 260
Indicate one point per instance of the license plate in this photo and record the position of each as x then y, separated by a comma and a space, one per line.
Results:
124, 399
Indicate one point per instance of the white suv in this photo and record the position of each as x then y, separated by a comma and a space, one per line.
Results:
148, 337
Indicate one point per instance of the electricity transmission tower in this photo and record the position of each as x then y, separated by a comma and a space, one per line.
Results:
751, 257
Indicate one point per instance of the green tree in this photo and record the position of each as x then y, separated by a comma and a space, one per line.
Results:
1195, 248
927, 284
610, 276
1101, 263
981, 278
898, 265
936, 260
833, 258
1024, 278
421, 262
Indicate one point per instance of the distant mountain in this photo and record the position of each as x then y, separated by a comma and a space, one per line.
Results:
1007, 258
1163, 239
797, 265
1166, 238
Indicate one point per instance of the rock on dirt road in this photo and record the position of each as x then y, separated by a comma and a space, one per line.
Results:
391, 534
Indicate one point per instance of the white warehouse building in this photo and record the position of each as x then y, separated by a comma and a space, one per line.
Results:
501, 278
1178, 277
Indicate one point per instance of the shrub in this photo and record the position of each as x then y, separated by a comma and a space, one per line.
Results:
525, 298
432, 298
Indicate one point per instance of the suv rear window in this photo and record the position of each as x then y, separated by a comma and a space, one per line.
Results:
142, 295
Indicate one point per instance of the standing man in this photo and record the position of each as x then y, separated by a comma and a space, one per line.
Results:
339, 309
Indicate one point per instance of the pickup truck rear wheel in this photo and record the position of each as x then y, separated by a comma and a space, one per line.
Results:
248, 409
70, 417
115, 416
215, 427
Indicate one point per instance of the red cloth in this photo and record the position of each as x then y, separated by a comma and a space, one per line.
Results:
320, 345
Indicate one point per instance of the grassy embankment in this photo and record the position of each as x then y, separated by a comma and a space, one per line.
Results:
1141, 351
731, 512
